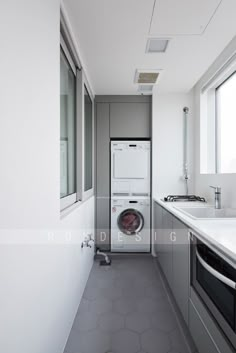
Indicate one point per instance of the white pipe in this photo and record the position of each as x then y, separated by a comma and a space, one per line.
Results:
186, 176
105, 256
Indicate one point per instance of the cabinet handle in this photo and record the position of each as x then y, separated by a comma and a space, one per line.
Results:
215, 273
190, 236
173, 236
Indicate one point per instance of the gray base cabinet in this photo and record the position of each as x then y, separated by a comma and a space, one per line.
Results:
172, 249
181, 266
211, 338
162, 240
157, 226
165, 255
199, 333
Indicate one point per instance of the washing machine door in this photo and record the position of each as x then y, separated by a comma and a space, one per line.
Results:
130, 221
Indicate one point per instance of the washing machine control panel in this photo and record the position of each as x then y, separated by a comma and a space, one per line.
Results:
130, 203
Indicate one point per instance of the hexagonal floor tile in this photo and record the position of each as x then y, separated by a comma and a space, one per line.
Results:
162, 303
165, 305
107, 273
125, 306
100, 282
93, 341
123, 282
164, 320
147, 305
85, 322
84, 306
111, 322
177, 341
154, 292
112, 293
142, 281
137, 322
100, 306
154, 341
125, 341
92, 292
134, 292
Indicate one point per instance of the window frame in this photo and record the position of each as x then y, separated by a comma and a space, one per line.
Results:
218, 124
209, 119
67, 54
81, 82
70, 199
88, 193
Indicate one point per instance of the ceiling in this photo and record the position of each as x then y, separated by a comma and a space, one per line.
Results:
112, 37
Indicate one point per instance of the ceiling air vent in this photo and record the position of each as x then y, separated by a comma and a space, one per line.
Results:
146, 77
156, 45
145, 89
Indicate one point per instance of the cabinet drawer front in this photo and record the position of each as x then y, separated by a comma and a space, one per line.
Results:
199, 332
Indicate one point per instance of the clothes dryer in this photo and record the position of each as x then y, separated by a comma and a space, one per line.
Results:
130, 168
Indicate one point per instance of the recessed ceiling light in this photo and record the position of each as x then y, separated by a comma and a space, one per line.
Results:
157, 45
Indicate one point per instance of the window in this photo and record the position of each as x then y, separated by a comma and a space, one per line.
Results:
76, 130
67, 129
218, 121
226, 126
88, 141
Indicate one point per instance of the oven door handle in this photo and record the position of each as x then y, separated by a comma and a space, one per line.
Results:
215, 273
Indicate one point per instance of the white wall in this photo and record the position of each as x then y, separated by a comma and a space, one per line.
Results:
168, 143
202, 181
42, 271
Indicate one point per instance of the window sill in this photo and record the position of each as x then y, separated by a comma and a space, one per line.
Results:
68, 210
87, 194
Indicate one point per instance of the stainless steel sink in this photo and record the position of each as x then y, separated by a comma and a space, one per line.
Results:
208, 212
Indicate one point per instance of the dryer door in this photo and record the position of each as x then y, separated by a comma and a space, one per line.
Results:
130, 221
131, 164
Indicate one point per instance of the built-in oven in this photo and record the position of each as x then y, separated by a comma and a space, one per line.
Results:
214, 280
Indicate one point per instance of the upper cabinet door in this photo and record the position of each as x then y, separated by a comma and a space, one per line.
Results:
130, 120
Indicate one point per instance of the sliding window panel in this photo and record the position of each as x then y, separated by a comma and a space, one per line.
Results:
67, 133
88, 139
79, 134
85, 138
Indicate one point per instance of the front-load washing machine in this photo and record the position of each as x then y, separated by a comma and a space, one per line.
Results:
130, 225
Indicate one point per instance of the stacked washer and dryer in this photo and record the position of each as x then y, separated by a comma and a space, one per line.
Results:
130, 196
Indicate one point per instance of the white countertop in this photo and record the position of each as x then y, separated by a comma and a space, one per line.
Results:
219, 234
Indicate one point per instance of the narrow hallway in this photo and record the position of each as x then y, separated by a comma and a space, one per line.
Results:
125, 309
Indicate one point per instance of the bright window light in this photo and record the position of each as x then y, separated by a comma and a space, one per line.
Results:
226, 126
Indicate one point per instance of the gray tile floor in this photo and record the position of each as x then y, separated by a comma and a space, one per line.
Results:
124, 309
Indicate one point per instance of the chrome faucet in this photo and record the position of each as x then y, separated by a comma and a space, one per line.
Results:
217, 196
